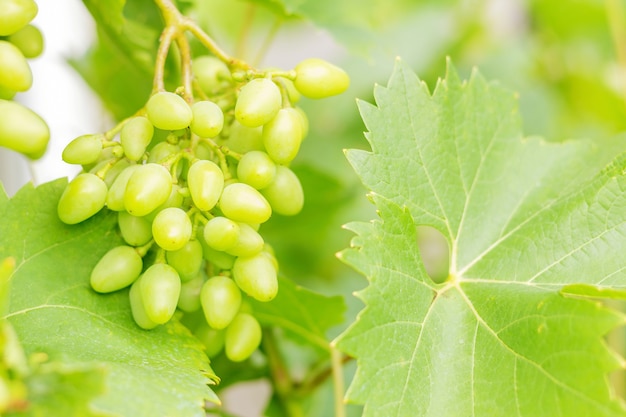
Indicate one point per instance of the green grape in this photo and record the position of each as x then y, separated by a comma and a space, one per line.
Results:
175, 199
258, 102
304, 122
316, 78
244, 139
161, 151
138, 308
83, 150
219, 259
136, 136
160, 289
22, 130
15, 72
189, 298
290, 88
282, 136
113, 172
29, 40
208, 119
221, 233
136, 231
268, 252
242, 203
83, 197
220, 299
115, 196
117, 269
257, 169
211, 73
205, 181
212, 339
256, 276
242, 338
171, 229
148, 187
285, 193
187, 260
6, 93
249, 242
15, 15
168, 111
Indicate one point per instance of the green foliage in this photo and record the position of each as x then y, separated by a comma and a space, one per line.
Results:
523, 218
54, 312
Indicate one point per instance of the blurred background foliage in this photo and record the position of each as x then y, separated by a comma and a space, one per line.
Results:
565, 58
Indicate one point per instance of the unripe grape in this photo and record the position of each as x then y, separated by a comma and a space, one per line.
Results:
168, 111
160, 289
292, 91
15, 15
243, 337
138, 308
249, 242
6, 93
304, 121
22, 130
83, 197
208, 119
148, 187
189, 298
136, 136
175, 199
83, 150
212, 339
317, 78
285, 193
113, 172
256, 276
205, 181
211, 73
117, 269
221, 233
187, 260
219, 259
171, 228
242, 203
115, 196
29, 40
244, 139
161, 151
257, 169
282, 136
15, 72
136, 231
220, 299
258, 102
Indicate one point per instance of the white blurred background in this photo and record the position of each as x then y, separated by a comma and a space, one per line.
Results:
58, 94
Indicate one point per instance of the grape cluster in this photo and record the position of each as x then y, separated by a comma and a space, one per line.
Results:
21, 129
192, 182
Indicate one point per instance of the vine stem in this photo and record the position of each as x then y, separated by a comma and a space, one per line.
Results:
336, 360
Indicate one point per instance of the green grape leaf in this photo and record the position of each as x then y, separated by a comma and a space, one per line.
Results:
61, 390
523, 218
55, 312
303, 314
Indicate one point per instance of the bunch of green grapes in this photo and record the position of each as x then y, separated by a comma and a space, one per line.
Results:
192, 182
21, 129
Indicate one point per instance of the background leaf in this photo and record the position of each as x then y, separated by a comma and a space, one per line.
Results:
523, 217
54, 311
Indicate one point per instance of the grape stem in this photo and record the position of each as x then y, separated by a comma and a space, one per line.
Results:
176, 25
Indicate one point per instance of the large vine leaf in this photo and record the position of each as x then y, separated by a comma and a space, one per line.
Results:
524, 219
54, 312
304, 315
